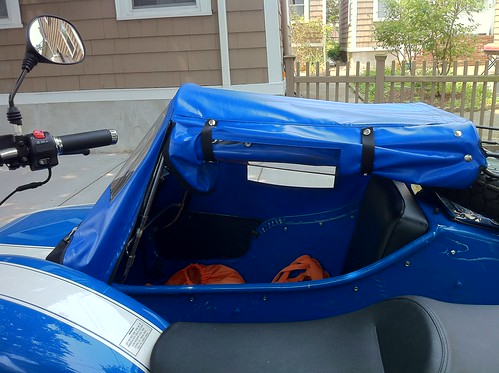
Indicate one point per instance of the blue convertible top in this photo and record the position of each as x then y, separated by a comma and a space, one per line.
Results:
414, 142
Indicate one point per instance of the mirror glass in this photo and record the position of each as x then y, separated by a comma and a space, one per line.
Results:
55, 40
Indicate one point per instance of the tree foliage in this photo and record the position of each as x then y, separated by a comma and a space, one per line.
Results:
440, 28
332, 12
309, 38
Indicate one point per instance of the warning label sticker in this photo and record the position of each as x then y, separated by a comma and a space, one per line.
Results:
136, 337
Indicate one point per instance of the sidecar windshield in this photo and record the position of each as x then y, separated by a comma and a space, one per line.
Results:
135, 158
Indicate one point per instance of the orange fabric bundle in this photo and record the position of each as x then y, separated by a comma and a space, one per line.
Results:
308, 269
199, 274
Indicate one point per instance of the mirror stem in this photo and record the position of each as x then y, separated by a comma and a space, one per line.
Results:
16, 87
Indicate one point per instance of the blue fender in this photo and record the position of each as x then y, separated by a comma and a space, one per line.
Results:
55, 319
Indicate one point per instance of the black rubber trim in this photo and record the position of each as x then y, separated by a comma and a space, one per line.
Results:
207, 140
367, 162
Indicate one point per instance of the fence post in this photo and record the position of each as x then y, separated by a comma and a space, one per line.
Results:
289, 71
380, 79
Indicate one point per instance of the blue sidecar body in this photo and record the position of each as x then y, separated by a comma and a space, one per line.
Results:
253, 182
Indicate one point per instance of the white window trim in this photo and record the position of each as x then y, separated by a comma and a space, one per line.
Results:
125, 10
14, 20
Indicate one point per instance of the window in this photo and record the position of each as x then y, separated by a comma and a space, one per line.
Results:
379, 10
10, 16
298, 7
301, 8
135, 9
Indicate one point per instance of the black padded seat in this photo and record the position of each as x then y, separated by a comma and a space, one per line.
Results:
389, 218
405, 334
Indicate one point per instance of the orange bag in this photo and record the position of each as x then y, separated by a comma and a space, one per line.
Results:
199, 274
310, 269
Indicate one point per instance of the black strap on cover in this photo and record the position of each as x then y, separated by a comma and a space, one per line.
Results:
367, 162
207, 140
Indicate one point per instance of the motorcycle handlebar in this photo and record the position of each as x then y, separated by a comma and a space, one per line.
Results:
86, 140
40, 149
7, 154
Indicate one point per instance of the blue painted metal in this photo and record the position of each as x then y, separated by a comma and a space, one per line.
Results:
43, 228
39, 338
88, 282
34, 342
452, 262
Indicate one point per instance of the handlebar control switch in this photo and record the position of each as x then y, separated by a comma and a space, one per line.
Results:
42, 149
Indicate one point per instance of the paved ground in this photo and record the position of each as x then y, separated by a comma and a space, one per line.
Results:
76, 180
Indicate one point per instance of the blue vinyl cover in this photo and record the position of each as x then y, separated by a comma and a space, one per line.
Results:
414, 143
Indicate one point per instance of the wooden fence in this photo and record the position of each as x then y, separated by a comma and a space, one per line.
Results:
468, 90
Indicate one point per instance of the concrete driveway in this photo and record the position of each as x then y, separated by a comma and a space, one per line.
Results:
76, 180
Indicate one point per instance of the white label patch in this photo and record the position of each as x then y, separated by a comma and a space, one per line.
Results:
293, 175
136, 337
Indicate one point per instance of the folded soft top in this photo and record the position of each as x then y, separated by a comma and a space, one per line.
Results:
414, 142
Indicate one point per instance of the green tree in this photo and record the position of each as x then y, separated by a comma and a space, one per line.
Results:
309, 38
398, 32
435, 27
332, 12
449, 36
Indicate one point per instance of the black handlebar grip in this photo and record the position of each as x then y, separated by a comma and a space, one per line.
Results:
85, 140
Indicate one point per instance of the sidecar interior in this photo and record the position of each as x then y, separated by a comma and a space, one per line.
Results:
389, 218
258, 229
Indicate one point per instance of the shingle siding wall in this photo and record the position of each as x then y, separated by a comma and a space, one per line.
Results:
149, 53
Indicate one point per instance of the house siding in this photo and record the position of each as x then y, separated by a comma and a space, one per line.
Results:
317, 9
364, 24
247, 43
146, 53
344, 27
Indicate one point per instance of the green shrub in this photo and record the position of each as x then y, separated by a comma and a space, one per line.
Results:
333, 53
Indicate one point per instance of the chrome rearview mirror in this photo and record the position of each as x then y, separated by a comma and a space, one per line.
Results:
54, 40
49, 39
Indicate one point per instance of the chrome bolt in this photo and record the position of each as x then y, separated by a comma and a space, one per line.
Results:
212, 122
468, 158
458, 133
453, 252
247, 144
366, 131
356, 288
407, 263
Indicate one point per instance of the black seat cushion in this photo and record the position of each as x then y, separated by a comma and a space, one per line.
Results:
389, 218
405, 334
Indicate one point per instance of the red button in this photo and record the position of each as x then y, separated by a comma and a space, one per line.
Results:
38, 134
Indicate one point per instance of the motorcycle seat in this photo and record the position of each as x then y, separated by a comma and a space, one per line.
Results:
404, 334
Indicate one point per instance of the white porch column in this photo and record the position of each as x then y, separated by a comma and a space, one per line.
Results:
224, 42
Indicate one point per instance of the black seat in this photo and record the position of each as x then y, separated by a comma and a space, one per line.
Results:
389, 218
405, 334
